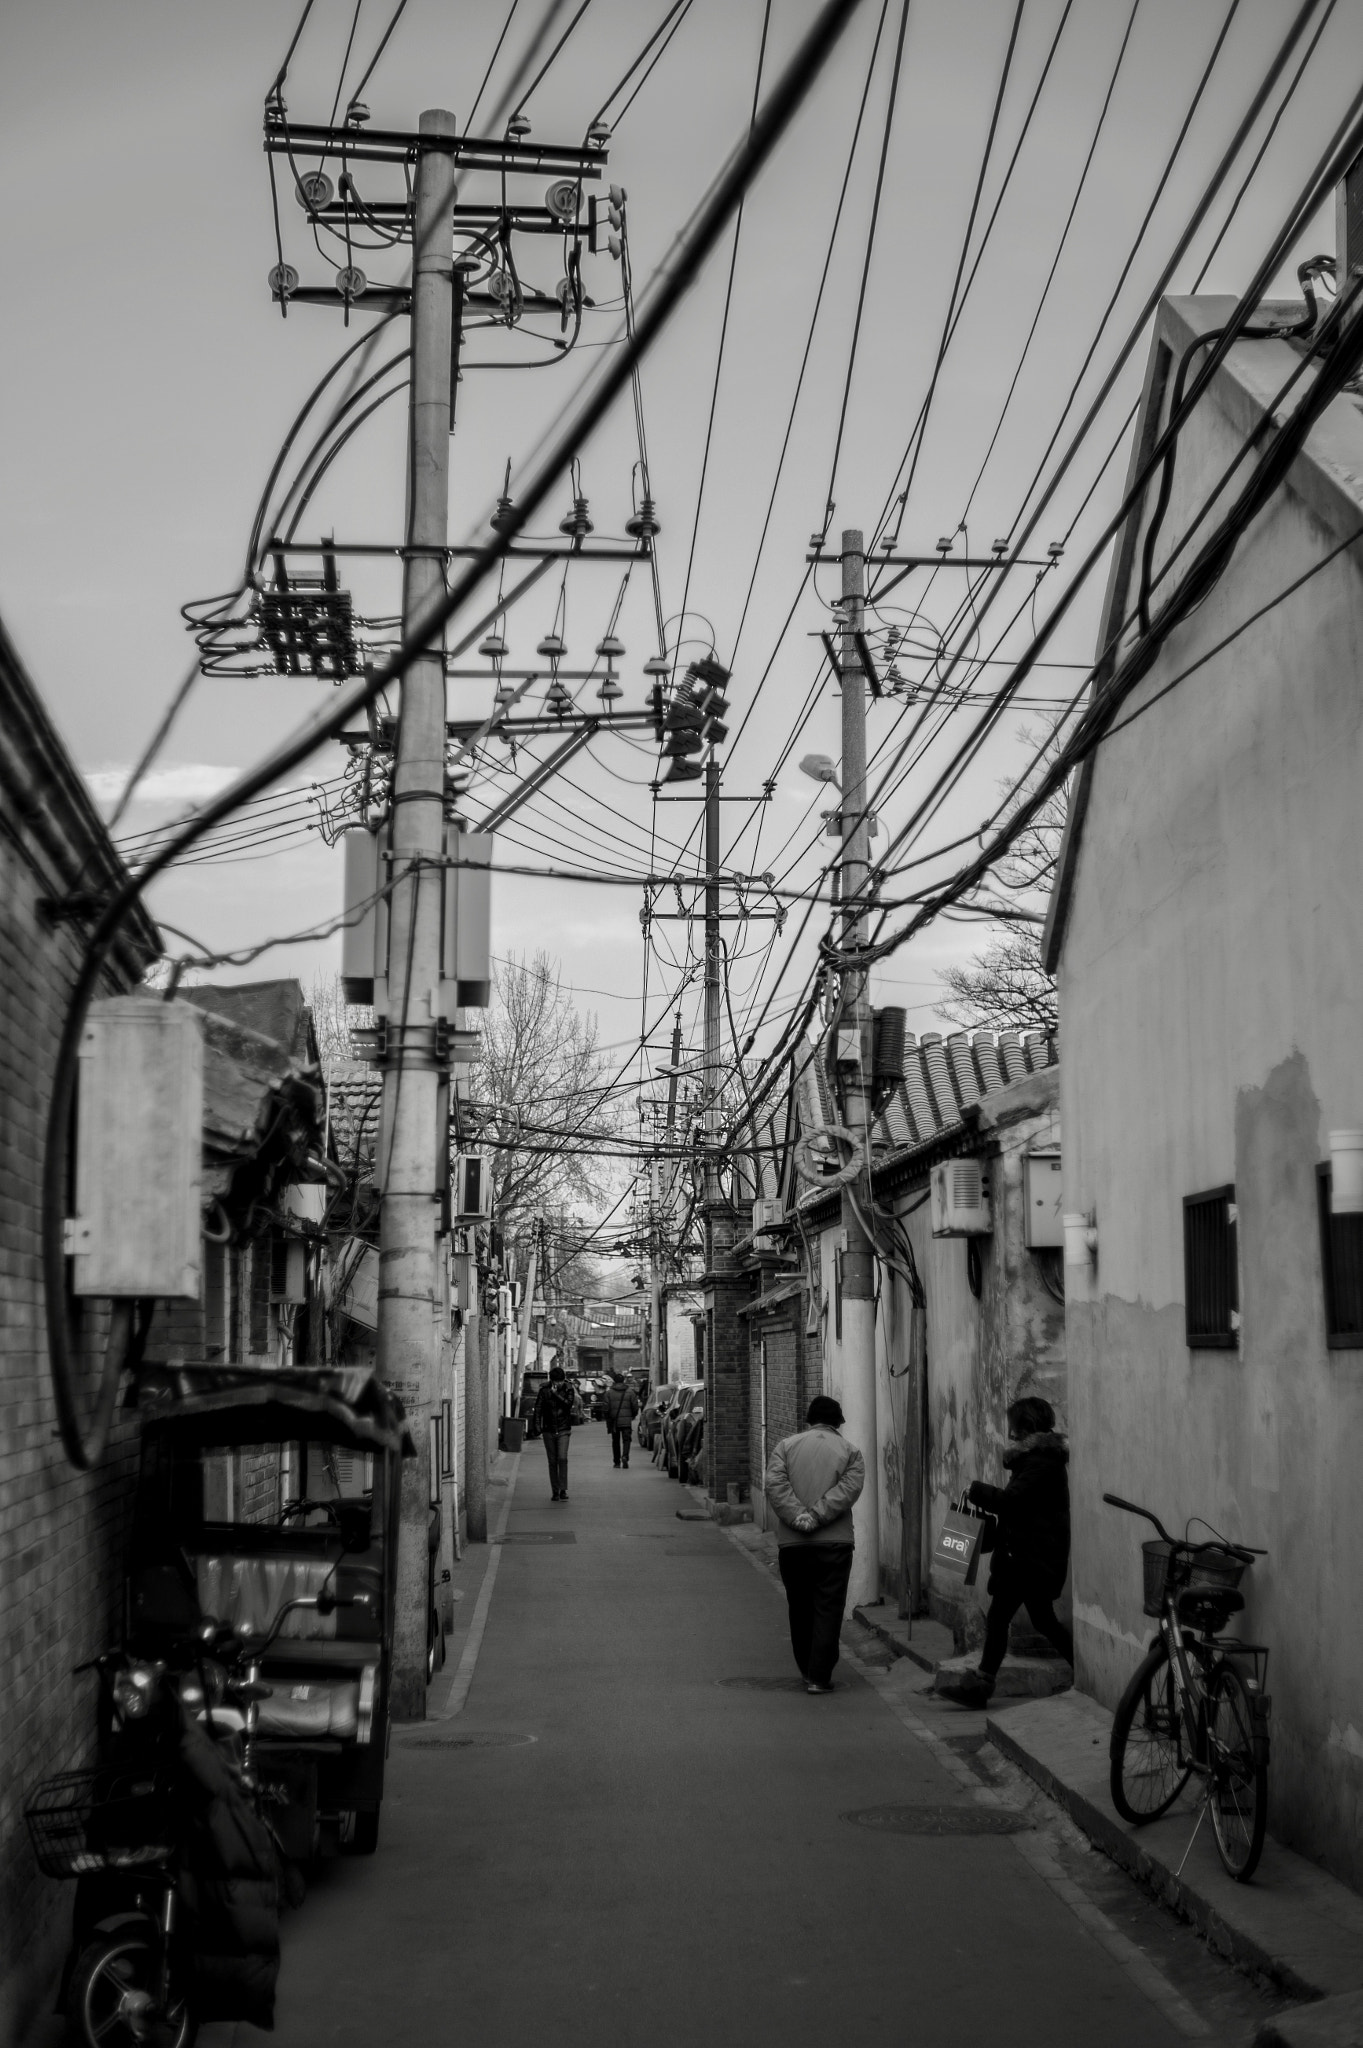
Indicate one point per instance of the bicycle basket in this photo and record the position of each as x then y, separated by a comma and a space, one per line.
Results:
1215, 1571
100, 1820
1156, 1558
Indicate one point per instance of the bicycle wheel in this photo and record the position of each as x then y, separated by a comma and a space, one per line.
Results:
1149, 1769
112, 2003
1239, 1794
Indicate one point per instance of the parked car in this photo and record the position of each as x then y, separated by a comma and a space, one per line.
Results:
685, 1395
650, 1421
688, 1439
531, 1381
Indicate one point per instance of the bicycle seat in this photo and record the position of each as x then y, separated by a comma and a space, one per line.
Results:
1199, 1604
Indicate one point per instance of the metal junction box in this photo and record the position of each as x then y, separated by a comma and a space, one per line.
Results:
1044, 1228
139, 1139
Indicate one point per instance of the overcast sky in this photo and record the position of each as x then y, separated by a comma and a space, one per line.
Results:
148, 380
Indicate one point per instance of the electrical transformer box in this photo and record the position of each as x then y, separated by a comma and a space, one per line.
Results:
467, 958
360, 933
466, 919
139, 1139
1041, 1177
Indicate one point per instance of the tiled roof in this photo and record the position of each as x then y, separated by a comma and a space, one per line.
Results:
942, 1076
354, 1098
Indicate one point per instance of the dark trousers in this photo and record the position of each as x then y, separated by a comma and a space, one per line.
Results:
556, 1450
815, 1577
620, 1443
1009, 1592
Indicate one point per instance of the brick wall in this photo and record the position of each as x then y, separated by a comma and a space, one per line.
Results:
727, 1459
785, 1372
61, 1532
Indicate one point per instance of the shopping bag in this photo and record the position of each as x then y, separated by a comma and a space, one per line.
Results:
962, 1540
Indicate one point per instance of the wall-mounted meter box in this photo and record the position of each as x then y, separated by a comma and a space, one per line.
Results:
1044, 1228
960, 1200
137, 1230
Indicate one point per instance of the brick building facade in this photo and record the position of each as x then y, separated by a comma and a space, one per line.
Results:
61, 1531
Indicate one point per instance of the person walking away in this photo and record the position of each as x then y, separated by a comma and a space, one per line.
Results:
812, 1481
554, 1421
622, 1405
1032, 1548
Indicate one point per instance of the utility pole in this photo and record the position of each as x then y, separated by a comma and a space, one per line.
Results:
712, 985
659, 1309
410, 1208
852, 1052
526, 1301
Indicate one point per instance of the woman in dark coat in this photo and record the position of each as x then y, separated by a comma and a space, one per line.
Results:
1032, 1546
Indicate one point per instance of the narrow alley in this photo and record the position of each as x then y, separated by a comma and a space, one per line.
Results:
636, 1830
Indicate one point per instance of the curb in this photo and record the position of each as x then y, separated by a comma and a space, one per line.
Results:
1294, 1925
893, 1640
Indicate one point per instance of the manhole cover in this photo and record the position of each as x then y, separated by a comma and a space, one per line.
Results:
795, 1684
938, 1820
466, 1741
537, 1536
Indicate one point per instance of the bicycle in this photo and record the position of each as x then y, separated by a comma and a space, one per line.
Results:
1190, 1708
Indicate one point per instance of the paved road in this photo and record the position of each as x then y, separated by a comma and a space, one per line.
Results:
635, 1832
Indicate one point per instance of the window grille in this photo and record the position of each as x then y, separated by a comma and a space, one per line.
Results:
1211, 1281
1341, 1262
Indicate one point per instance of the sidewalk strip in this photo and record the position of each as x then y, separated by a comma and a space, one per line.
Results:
457, 1696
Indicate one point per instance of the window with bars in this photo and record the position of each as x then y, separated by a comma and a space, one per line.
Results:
1211, 1279
1341, 1264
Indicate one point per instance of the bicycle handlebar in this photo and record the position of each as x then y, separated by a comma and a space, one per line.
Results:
1114, 1500
1244, 1550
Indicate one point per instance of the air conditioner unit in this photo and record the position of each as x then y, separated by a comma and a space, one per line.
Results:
472, 1187
960, 1200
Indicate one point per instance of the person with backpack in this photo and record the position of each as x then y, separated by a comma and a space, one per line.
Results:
812, 1480
622, 1405
1031, 1548
553, 1419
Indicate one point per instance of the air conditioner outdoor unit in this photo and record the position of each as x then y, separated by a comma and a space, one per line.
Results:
472, 1187
960, 1200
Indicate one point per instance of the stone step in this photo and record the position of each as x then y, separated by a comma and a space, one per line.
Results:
1020, 1678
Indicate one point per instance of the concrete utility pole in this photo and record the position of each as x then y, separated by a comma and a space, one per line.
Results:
712, 983
526, 1300
410, 1212
657, 1179
853, 1055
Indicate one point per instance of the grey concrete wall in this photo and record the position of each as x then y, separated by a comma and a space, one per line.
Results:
1211, 979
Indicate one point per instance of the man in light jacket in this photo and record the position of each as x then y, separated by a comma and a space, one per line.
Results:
812, 1480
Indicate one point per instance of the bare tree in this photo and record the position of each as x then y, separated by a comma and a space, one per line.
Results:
541, 1099
334, 1019
1005, 987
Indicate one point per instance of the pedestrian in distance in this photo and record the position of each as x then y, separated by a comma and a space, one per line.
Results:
622, 1405
812, 1480
554, 1406
1032, 1546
